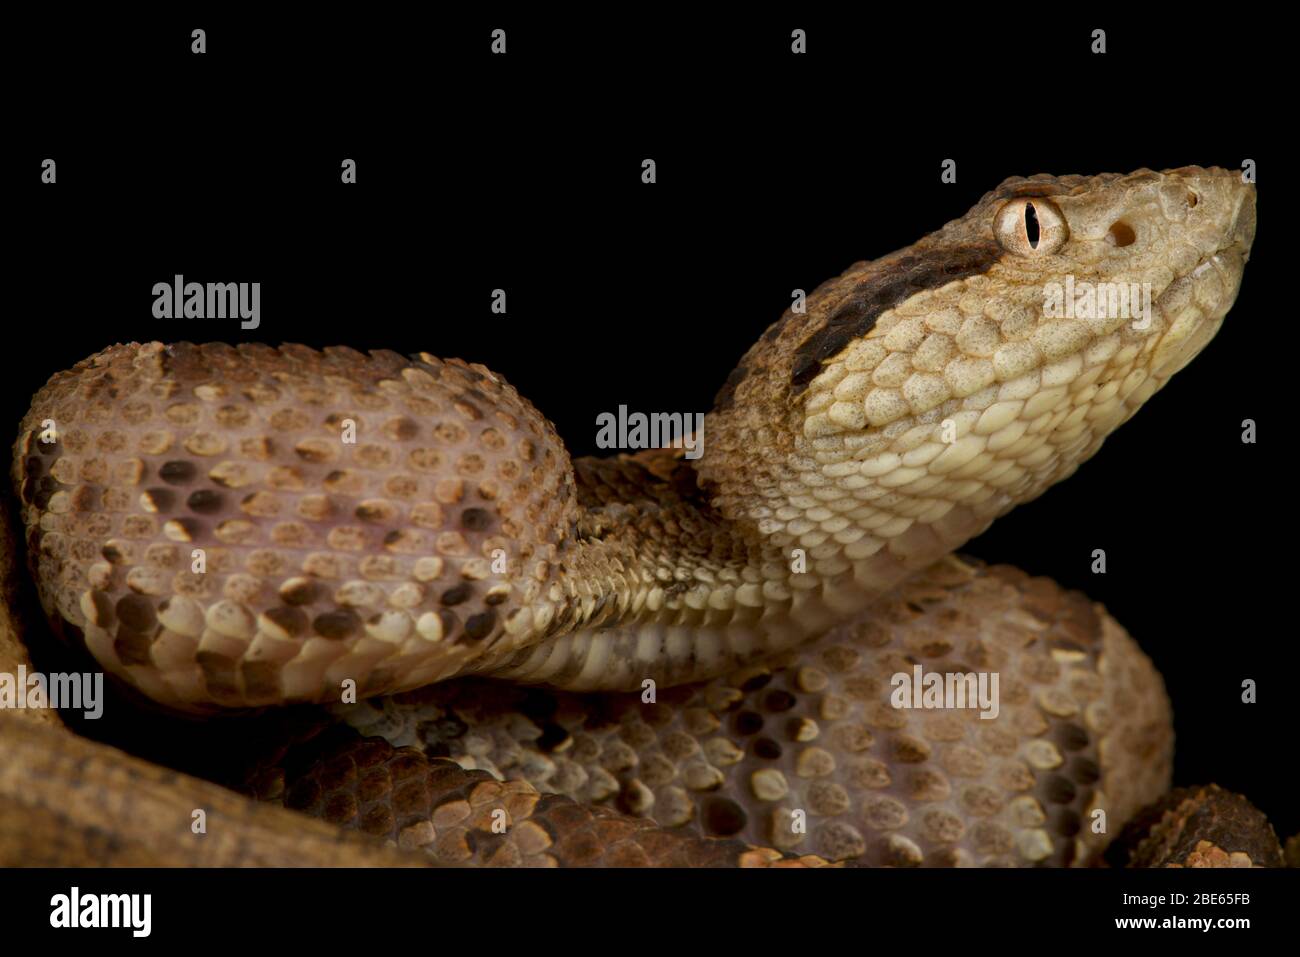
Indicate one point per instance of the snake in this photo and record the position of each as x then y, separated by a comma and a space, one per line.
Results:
649, 658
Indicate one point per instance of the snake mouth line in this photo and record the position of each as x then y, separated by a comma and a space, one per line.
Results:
1191, 327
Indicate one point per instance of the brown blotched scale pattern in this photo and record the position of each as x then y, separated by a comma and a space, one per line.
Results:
350, 511
459, 817
1083, 726
1198, 827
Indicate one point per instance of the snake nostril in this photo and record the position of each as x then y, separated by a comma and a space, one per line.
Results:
1121, 234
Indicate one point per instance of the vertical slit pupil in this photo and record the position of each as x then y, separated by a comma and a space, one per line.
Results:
1031, 225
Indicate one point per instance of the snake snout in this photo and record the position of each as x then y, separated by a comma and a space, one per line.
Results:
1220, 223
1242, 233
1228, 201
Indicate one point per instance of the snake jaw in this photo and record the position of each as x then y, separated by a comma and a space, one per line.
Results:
1195, 305
1188, 331
924, 394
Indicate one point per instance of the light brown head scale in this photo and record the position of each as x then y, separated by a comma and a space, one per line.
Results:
941, 385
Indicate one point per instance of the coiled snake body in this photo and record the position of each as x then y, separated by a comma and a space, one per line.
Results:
232, 527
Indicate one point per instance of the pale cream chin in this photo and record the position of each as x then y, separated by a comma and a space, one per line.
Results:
1190, 334
1195, 307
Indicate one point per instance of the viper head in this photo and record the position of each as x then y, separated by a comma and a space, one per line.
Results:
1179, 239
925, 393
1046, 276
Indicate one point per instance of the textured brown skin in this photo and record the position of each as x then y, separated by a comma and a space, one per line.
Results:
166, 449
1084, 726
314, 578
13, 624
69, 802
469, 818
1199, 827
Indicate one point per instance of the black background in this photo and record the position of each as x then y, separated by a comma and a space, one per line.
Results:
774, 172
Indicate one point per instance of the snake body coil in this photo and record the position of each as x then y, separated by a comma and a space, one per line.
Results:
243, 526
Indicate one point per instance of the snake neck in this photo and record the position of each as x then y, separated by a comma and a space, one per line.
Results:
892, 417
659, 583
676, 571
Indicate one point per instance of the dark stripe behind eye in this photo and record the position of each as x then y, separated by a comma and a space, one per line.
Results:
907, 277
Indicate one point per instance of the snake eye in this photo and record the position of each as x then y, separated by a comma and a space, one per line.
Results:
1030, 227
